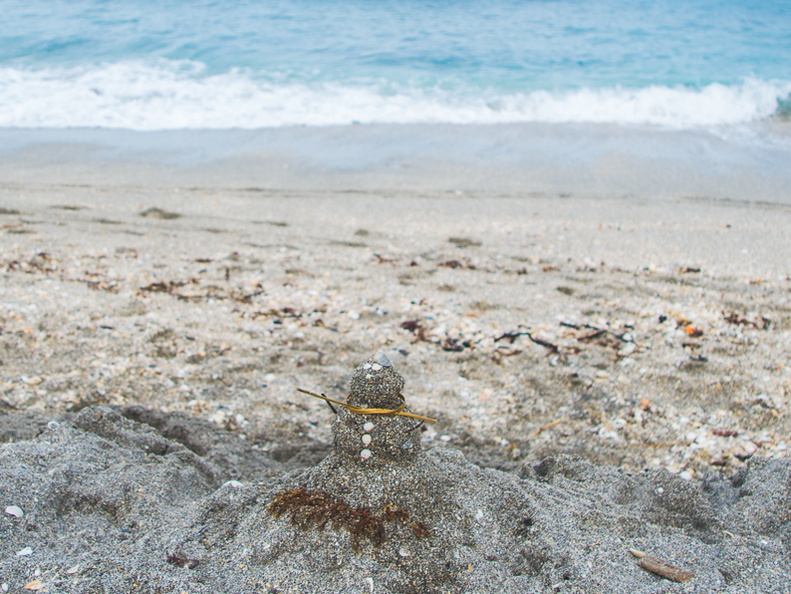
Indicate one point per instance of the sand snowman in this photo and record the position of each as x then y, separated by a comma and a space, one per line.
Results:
382, 508
375, 439
375, 479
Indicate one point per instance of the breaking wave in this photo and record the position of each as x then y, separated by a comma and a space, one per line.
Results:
171, 95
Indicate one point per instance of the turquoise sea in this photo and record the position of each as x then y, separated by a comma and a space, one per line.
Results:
718, 70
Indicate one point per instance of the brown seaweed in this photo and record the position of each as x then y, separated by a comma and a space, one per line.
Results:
315, 510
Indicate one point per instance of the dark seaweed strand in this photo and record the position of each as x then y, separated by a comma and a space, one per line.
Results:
309, 510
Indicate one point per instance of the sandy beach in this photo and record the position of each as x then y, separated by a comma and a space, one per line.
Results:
646, 337
395, 298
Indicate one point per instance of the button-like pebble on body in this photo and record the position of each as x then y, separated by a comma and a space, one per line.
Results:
14, 510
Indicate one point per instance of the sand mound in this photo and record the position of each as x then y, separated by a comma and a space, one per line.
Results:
124, 499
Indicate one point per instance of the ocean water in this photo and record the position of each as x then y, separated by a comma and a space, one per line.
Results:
714, 67
203, 64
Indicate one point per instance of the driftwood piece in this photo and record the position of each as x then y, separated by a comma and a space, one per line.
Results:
662, 568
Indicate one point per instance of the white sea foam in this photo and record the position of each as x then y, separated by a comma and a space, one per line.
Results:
180, 95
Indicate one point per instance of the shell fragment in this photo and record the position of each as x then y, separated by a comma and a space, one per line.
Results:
14, 510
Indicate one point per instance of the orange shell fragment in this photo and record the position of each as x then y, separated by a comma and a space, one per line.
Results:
693, 330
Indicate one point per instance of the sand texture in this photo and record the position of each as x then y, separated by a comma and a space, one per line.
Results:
607, 375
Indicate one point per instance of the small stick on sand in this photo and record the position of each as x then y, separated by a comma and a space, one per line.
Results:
512, 336
549, 425
662, 568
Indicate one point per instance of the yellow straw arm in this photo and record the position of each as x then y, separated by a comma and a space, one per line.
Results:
369, 411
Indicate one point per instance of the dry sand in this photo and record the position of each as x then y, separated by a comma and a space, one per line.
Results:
554, 338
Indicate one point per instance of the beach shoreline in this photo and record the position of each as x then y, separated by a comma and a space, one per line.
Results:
741, 163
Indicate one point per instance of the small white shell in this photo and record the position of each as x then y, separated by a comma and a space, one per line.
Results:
368, 426
14, 510
365, 454
376, 367
366, 439
382, 359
